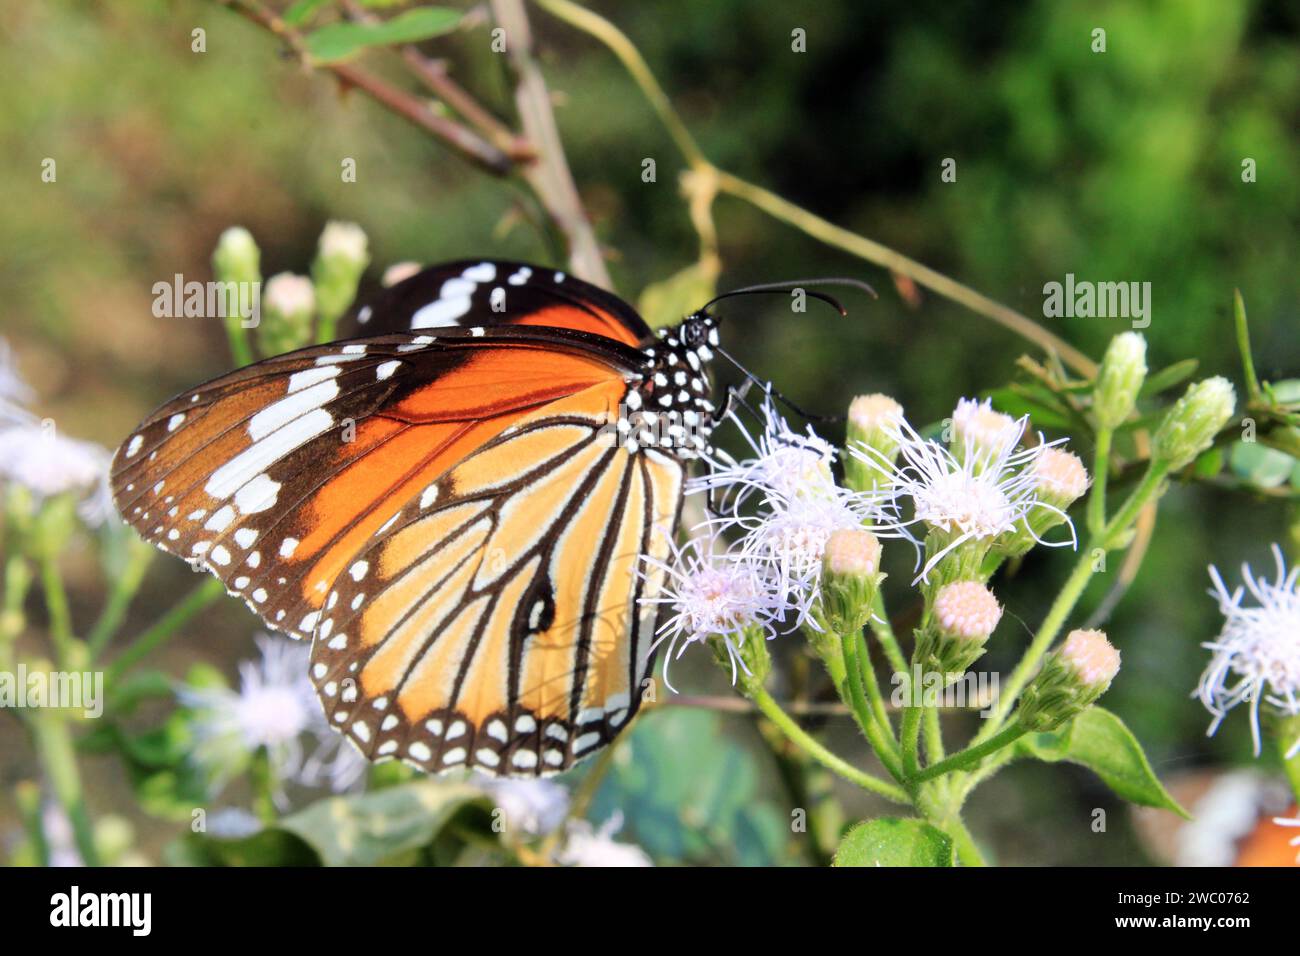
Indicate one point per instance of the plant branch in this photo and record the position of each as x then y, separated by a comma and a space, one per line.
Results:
463, 140
772, 710
549, 174
786, 211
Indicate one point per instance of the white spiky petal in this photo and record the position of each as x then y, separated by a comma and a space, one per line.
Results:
1256, 657
987, 491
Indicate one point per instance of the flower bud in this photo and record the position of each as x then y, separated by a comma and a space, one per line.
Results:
1123, 370
963, 616
1190, 426
288, 303
399, 272
979, 430
1059, 477
873, 435
236, 258
850, 577
341, 257
1072, 678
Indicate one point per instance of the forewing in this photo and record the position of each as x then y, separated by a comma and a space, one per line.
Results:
275, 476
495, 293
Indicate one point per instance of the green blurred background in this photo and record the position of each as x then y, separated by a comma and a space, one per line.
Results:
1121, 166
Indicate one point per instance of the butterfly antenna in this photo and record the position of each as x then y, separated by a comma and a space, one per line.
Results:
771, 392
799, 284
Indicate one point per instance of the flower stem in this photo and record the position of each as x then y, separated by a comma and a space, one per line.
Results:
881, 743
772, 710
969, 758
198, 599
1100, 472
58, 758
119, 599
884, 632
910, 738
56, 603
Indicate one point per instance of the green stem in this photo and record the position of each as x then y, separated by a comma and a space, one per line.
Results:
1288, 734
772, 710
1047, 632
910, 738
56, 602
57, 755
884, 632
880, 742
933, 735
967, 852
1100, 473
969, 758
198, 599
1243, 345
119, 598
869, 684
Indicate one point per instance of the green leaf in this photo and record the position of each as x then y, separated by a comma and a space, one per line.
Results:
302, 11
1042, 407
1260, 465
365, 829
894, 841
266, 848
341, 41
670, 300
1098, 740
689, 794
1169, 376
1285, 392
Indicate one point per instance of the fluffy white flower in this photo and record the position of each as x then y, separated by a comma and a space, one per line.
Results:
534, 807
981, 494
588, 846
275, 708
710, 595
785, 463
35, 455
1256, 657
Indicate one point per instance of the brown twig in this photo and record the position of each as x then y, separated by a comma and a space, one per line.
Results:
434, 75
465, 141
549, 175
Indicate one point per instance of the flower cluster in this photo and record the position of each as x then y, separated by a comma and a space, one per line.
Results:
980, 493
37, 461
275, 711
1256, 657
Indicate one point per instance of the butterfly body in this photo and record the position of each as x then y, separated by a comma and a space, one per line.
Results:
454, 509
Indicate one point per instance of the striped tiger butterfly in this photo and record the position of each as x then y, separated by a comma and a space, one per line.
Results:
453, 508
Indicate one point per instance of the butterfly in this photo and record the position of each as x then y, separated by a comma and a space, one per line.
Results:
454, 508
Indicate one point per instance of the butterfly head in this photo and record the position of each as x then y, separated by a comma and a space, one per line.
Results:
671, 408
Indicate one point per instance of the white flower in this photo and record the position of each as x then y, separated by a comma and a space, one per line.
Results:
790, 536
987, 492
587, 846
274, 708
785, 463
534, 807
976, 426
1257, 654
35, 455
710, 595
1287, 822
